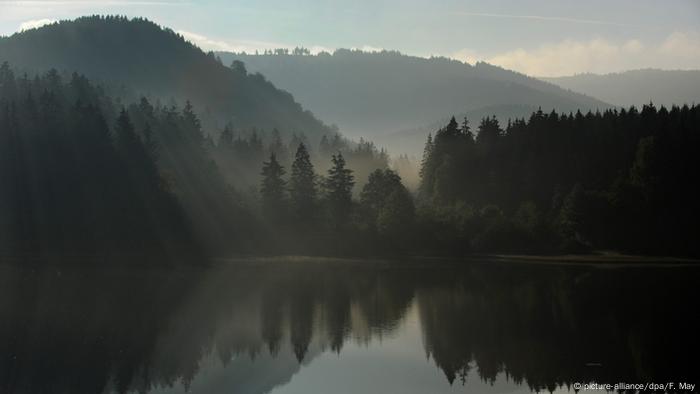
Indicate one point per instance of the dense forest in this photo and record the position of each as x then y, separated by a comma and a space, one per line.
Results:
619, 180
77, 176
85, 174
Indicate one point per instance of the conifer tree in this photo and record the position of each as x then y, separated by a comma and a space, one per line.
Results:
489, 131
302, 186
226, 138
466, 130
427, 168
273, 188
338, 187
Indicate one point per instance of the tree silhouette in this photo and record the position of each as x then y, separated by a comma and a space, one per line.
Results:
302, 187
338, 192
273, 189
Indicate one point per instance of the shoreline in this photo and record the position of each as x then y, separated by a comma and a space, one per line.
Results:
611, 260
600, 259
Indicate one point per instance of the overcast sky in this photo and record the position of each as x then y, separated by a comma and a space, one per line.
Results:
540, 38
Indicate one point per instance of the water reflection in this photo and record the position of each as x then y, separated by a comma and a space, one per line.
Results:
251, 327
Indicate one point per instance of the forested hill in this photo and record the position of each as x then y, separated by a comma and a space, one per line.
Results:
638, 87
368, 94
148, 59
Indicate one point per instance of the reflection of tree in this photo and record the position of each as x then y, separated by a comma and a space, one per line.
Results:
82, 331
554, 327
68, 330
272, 319
301, 314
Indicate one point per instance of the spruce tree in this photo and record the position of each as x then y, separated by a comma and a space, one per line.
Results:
302, 186
489, 132
226, 138
272, 188
427, 168
338, 186
466, 130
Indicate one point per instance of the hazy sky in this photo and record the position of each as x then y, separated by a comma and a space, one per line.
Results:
541, 38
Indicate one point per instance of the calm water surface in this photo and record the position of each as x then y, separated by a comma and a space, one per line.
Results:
322, 327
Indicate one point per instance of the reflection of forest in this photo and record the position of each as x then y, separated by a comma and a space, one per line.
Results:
556, 326
81, 330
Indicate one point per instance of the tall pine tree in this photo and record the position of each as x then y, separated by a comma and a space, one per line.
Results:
302, 186
338, 186
272, 189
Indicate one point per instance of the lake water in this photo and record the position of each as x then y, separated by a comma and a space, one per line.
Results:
333, 327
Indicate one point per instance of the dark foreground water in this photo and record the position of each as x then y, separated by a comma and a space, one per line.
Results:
303, 327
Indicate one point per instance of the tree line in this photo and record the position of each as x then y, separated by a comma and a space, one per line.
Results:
621, 179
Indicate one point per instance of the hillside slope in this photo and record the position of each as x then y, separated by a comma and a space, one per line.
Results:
369, 94
637, 87
144, 58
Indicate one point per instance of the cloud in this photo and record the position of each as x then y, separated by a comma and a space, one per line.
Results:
682, 43
34, 23
207, 43
680, 50
368, 48
633, 46
566, 57
467, 55
316, 49
545, 18
250, 46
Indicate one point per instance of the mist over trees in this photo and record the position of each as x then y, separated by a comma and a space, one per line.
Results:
136, 57
216, 211
377, 94
239, 153
613, 180
83, 173
313, 213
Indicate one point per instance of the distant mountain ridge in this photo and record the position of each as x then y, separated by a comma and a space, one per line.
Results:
637, 87
369, 94
149, 59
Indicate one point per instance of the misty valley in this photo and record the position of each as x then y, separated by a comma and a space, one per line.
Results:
180, 220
